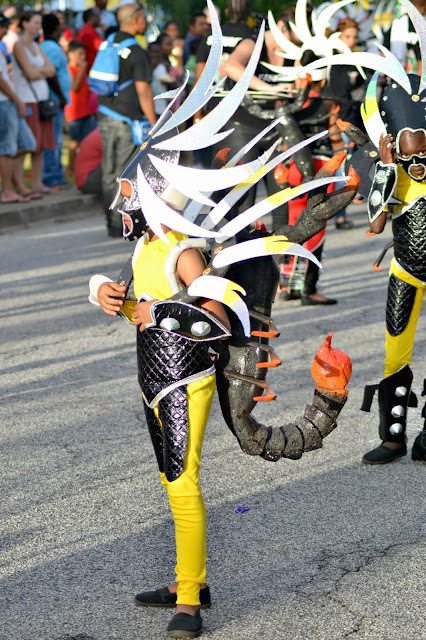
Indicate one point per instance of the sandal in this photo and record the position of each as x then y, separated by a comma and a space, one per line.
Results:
32, 195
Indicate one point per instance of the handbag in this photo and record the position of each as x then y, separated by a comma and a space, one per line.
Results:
47, 108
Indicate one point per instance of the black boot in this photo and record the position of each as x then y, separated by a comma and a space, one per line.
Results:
394, 395
419, 447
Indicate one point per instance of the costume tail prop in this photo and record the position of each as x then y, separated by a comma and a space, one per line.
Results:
242, 370
331, 370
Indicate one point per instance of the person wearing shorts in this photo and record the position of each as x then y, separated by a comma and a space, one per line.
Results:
78, 113
16, 137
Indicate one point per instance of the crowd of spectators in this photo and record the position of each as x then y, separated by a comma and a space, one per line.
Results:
47, 56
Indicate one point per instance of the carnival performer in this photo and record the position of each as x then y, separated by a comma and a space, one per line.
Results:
397, 130
266, 92
179, 312
300, 279
401, 173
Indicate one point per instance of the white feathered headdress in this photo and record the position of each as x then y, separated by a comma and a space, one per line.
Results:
315, 40
158, 181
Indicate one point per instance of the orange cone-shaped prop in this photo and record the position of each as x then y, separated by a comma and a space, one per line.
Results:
331, 368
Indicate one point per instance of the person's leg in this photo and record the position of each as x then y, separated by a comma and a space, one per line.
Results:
187, 502
117, 150
9, 127
8, 194
403, 306
52, 165
37, 169
73, 147
309, 293
18, 175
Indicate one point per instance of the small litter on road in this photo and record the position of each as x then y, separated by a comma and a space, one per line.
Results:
240, 509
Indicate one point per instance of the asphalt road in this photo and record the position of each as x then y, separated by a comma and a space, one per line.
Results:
330, 549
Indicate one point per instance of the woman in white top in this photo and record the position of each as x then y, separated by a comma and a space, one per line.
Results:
30, 70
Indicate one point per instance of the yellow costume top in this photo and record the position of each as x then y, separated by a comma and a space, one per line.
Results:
406, 190
149, 273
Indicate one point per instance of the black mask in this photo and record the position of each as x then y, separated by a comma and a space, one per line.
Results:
138, 227
130, 207
410, 162
414, 160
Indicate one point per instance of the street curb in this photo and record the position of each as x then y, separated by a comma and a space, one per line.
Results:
55, 207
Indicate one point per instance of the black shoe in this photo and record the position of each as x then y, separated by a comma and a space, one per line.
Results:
183, 625
163, 598
307, 300
345, 225
289, 295
419, 447
383, 455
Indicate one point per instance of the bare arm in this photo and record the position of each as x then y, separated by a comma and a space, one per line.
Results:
6, 89
387, 156
379, 223
53, 83
236, 64
146, 101
76, 80
189, 267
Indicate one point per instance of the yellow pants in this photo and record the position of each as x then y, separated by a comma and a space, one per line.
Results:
186, 500
398, 349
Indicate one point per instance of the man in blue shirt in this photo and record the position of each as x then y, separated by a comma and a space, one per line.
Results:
60, 86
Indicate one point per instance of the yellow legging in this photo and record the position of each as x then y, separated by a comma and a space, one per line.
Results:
398, 349
186, 500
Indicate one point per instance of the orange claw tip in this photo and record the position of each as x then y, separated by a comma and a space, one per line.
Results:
342, 124
331, 368
281, 174
331, 166
376, 267
353, 179
370, 234
221, 158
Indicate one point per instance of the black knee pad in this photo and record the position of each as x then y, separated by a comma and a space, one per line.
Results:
401, 296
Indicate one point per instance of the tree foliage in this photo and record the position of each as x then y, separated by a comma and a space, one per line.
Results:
181, 10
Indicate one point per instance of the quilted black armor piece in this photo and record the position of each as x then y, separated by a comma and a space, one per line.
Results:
156, 434
401, 296
381, 189
165, 358
173, 413
409, 231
